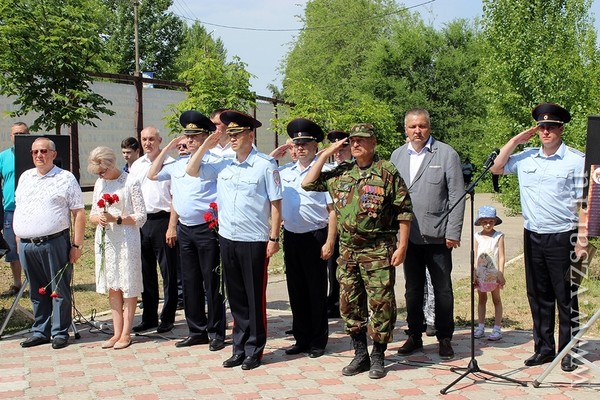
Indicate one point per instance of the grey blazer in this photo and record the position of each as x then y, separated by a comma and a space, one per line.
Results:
437, 185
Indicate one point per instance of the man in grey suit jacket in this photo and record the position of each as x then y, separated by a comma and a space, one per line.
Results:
433, 173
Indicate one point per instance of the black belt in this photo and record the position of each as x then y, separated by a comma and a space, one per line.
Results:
159, 215
42, 239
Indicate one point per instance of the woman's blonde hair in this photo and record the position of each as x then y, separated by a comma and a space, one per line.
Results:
101, 157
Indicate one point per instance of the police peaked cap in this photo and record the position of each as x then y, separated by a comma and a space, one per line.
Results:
336, 135
195, 123
550, 113
238, 122
303, 130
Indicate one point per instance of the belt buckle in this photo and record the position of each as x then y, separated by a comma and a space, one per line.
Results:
37, 240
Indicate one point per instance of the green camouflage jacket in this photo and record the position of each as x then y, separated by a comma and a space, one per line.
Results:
369, 203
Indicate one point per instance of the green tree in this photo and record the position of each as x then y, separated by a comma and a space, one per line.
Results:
46, 49
160, 36
325, 67
537, 51
213, 84
198, 44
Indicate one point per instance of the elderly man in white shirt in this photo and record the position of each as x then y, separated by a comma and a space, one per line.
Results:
46, 198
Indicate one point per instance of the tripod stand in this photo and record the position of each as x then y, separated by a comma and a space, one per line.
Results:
16, 305
473, 366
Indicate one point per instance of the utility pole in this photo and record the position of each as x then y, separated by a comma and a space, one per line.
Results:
139, 107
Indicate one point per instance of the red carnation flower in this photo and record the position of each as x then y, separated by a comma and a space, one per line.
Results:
115, 198
101, 203
42, 290
208, 216
107, 197
214, 206
54, 295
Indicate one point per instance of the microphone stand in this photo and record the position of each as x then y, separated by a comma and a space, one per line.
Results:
473, 366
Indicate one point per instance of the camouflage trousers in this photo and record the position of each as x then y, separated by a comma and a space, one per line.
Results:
367, 297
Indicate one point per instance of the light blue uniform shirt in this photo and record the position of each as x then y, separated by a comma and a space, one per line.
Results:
191, 196
550, 187
302, 211
244, 194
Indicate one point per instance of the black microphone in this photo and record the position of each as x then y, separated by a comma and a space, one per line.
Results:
490, 160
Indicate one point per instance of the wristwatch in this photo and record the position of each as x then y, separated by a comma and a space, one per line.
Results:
275, 239
119, 220
77, 246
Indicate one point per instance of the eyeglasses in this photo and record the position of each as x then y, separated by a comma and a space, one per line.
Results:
41, 151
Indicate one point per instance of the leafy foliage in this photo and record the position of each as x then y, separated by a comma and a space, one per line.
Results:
160, 36
46, 49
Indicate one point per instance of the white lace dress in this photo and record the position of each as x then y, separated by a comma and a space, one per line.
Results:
122, 268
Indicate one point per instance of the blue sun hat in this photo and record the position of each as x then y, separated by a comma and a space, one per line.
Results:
487, 212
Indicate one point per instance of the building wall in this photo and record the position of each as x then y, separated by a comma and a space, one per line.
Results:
111, 130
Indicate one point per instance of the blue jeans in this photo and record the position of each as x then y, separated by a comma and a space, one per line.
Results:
41, 263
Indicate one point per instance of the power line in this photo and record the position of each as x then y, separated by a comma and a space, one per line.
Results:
304, 29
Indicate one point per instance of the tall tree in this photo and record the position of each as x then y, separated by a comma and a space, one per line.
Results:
46, 49
160, 35
197, 44
537, 51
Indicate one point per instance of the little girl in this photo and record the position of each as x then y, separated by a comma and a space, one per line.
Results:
489, 276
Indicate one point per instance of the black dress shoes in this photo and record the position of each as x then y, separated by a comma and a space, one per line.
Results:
250, 363
59, 342
234, 361
295, 349
316, 353
193, 341
34, 341
144, 326
412, 344
216, 344
539, 359
569, 364
165, 327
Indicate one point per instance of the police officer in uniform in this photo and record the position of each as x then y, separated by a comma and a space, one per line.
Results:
249, 199
198, 242
309, 236
551, 179
372, 205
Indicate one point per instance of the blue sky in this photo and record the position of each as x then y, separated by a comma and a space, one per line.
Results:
264, 50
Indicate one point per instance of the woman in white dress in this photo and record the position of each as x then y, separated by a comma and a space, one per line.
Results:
118, 212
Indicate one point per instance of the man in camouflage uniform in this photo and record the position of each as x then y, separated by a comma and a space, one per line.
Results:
372, 204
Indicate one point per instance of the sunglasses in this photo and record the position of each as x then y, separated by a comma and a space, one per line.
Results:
40, 151
182, 146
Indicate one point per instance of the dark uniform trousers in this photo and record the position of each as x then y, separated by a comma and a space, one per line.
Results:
199, 256
437, 258
245, 268
155, 249
306, 277
547, 275
333, 298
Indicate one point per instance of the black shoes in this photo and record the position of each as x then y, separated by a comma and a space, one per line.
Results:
216, 344
446, 352
539, 359
412, 344
234, 361
569, 363
59, 342
295, 349
164, 327
250, 363
144, 326
34, 341
193, 341
316, 353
